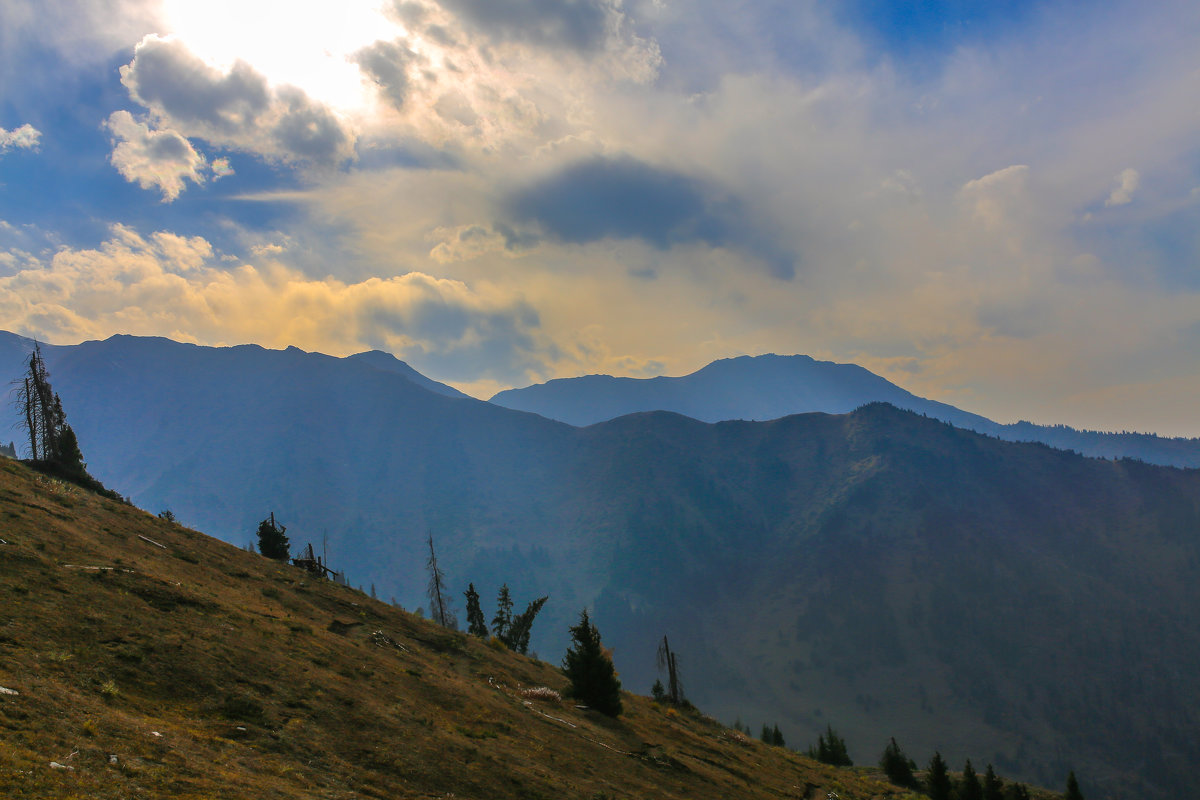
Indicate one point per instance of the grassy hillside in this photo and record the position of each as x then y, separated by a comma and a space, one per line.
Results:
149, 660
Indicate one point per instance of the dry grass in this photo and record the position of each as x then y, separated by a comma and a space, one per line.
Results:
197, 670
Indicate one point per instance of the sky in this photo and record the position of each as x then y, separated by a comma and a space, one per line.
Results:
995, 205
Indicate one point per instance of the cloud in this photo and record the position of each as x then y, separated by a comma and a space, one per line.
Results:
386, 64
221, 168
233, 108
466, 242
997, 196
582, 25
165, 76
1127, 183
25, 137
178, 286
624, 198
154, 159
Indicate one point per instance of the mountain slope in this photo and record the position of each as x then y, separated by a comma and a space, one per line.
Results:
148, 660
878, 570
771, 386
386, 361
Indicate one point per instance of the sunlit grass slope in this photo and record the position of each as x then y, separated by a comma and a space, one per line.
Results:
146, 660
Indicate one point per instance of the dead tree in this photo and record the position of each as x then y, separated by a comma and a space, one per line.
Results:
52, 443
39, 411
666, 660
439, 598
312, 563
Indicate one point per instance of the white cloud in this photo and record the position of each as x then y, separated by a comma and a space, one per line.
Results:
997, 196
25, 137
1126, 184
154, 159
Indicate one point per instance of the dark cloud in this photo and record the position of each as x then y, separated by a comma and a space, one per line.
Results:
235, 108
466, 342
574, 24
165, 75
386, 63
517, 241
628, 199
309, 130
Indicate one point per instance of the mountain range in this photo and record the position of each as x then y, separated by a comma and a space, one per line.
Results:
771, 386
880, 571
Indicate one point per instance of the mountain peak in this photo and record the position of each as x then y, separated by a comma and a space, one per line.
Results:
381, 360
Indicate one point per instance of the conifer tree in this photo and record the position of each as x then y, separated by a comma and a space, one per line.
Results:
1016, 791
831, 749
272, 541
898, 767
660, 696
503, 618
476, 626
517, 635
993, 787
590, 669
777, 737
1073, 792
52, 443
937, 781
968, 786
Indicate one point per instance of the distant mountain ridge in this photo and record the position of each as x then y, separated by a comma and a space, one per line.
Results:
388, 362
771, 386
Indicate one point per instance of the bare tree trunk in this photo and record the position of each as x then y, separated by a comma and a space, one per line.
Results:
437, 601
26, 399
666, 660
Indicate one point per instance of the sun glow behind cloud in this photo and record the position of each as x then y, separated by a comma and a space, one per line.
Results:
304, 44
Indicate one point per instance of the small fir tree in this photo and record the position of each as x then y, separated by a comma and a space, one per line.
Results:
1073, 792
590, 669
831, 749
937, 781
898, 767
993, 787
968, 786
517, 635
660, 696
503, 618
1016, 791
777, 737
476, 625
272, 541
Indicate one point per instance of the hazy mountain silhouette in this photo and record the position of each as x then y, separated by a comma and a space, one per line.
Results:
386, 361
885, 572
771, 386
